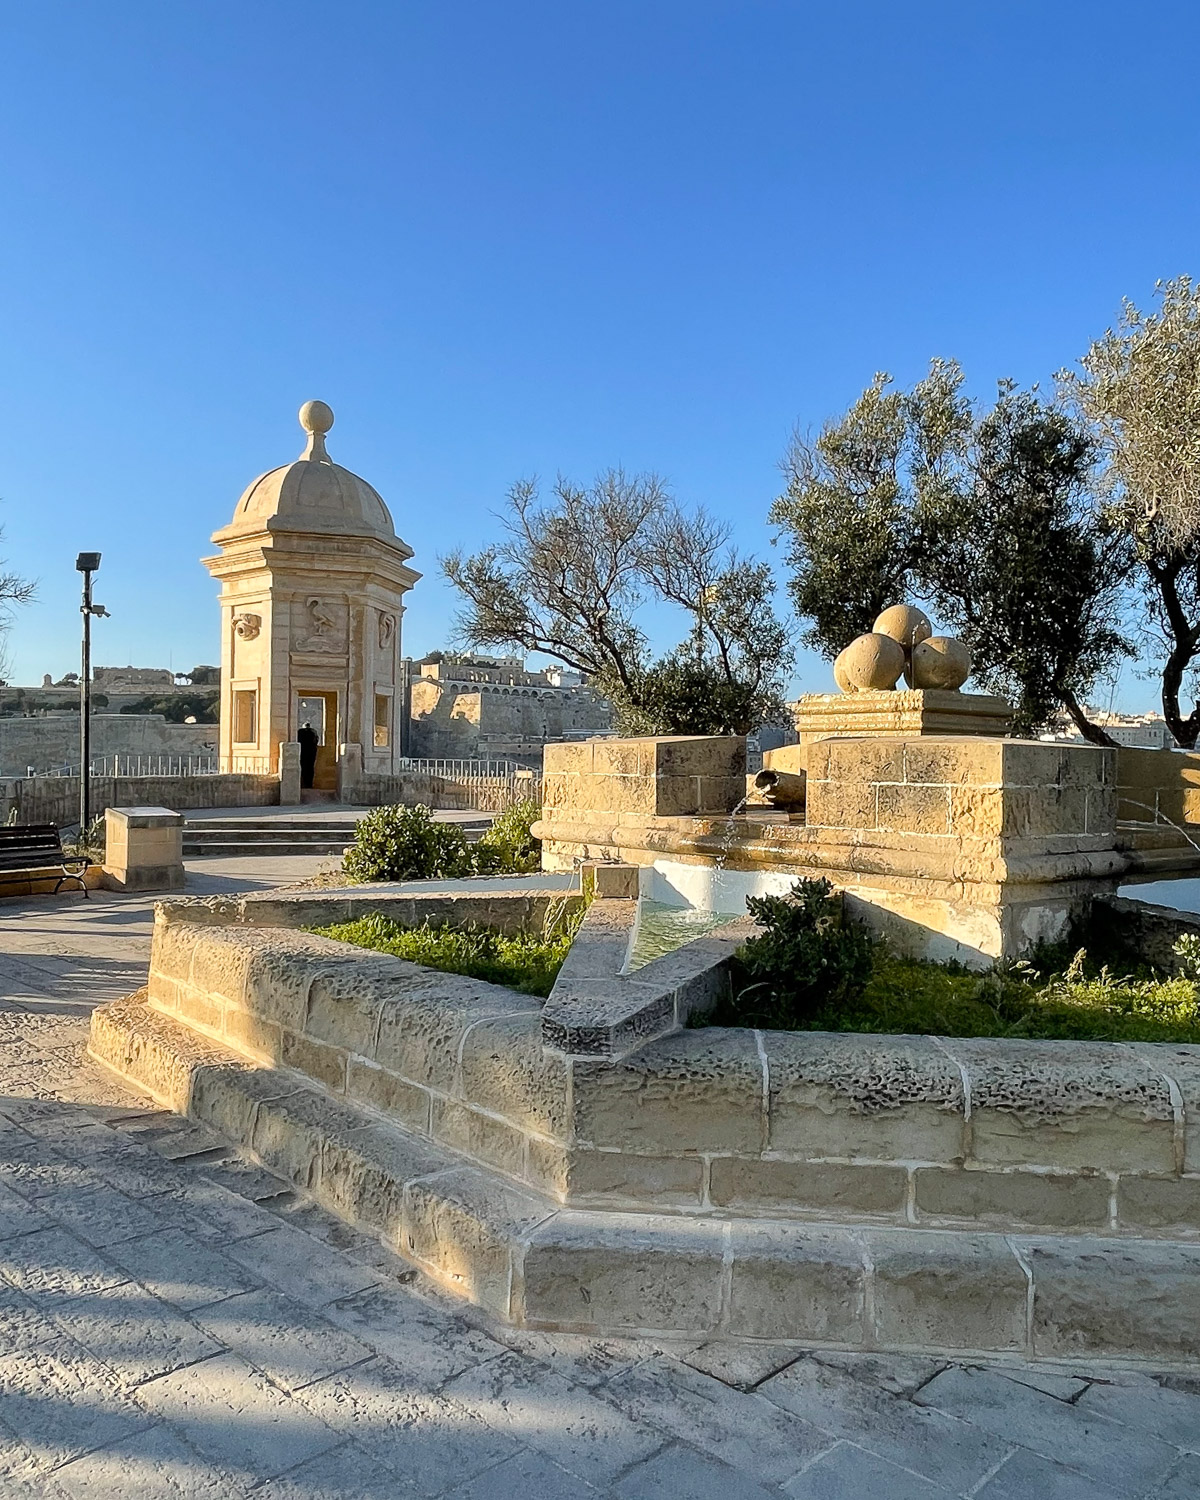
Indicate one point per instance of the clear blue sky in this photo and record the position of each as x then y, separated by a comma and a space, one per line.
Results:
504, 239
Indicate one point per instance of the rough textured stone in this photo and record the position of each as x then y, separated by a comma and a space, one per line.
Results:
1160, 1204
504, 1068
596, 1271
421, 1028
291, 1133
1066, 1104
797, 1283
369, 1084
1115, 1297
363, 1174
888, 1098
694, 1091
460, 1227
828, 1188
480, 1136
1004, 1199
947, 1291
614, 1178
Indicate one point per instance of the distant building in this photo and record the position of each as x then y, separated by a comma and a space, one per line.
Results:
1139, 731
491, 708
132, 677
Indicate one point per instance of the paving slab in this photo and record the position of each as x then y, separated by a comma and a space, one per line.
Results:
235, 1418
923, 1441
1104, 1451
585, 1435
281, 1338
429, 1441
848, 1472
747, 1432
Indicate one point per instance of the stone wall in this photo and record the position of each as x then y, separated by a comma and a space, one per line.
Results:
1157, 789
45, 743
452, 719
663, 776
55, 799
957, 846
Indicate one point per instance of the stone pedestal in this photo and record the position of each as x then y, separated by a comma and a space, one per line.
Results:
900, 714
289, 773
143, 849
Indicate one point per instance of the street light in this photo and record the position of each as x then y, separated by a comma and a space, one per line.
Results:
86, 563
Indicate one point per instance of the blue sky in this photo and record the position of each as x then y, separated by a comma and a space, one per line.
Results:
506, 239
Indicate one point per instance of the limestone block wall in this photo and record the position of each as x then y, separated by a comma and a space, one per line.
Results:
1158, 788
665, 776
1069, 1138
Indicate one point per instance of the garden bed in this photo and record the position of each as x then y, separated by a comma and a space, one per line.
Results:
812, 970
525, 961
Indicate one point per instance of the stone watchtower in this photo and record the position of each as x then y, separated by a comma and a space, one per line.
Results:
313, 578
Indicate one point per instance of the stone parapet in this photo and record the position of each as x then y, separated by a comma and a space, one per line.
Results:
841, 1279
899, 714
1069, 1138
664, 776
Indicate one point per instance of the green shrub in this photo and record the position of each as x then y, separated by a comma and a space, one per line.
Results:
808, 959
525, 962
508, 847
405, 843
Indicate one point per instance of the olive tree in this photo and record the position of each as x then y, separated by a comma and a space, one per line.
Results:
1139, 387
989, 516
572, 576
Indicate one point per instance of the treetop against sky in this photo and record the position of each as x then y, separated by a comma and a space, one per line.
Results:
508, 241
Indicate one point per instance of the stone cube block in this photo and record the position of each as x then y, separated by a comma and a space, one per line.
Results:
809, 1283
845, 1095
690, 1092
947, 1291
636, 1272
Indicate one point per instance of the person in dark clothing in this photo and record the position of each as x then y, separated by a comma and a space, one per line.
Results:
308, 754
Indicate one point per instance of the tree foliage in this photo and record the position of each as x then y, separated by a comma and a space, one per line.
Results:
988, 515
14, 591
1139, 386
572, 576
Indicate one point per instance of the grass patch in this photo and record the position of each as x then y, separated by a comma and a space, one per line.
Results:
809, 969
528, 962
1054, 996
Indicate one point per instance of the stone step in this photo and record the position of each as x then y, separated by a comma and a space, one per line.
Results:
533, 1262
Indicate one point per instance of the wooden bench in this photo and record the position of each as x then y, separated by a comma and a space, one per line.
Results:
34, 849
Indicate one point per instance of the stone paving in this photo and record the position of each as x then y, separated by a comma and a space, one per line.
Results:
175, 1322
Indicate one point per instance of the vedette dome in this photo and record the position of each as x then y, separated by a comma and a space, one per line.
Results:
312, 494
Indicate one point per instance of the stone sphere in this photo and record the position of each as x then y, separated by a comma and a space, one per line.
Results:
839, 672
870, 663
904, 623
940, 662
315, 416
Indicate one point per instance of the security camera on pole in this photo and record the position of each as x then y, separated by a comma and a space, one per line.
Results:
86, 563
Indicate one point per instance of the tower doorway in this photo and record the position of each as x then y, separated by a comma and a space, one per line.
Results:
319, 711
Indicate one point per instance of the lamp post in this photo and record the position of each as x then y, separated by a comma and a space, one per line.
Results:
86, 563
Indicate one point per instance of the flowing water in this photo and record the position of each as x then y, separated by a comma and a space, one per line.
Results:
661, 929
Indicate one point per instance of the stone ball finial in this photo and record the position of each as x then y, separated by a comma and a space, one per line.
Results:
904, 623
870, 663
315, 416
940, 662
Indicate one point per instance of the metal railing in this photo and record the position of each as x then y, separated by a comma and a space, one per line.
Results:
464, 769
138, 765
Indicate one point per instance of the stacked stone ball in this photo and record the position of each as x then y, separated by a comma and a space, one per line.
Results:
902, 644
